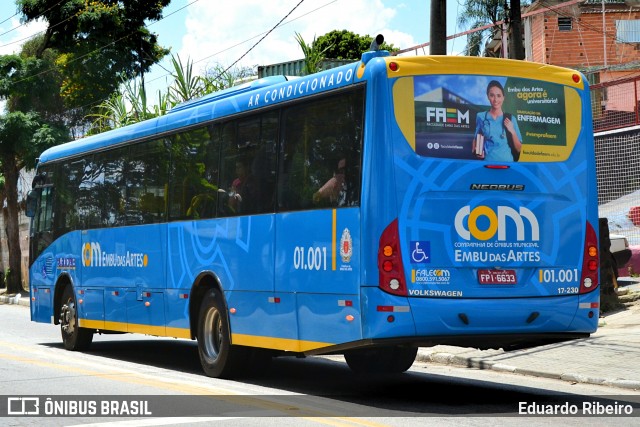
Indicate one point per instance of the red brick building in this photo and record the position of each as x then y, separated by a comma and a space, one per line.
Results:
601, 38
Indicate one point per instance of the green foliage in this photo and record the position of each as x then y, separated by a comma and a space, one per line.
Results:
313, 55
476, 14
186, 86
25, 136
96, 41
36, 87
129, 104
219, 77
346, 45
9, 65
110, 114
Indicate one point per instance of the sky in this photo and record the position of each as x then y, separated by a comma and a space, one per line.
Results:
210, 34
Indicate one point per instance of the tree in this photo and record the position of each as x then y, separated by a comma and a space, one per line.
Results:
476, 14
313, 55
36, 84
219, 77
98, 43
129, 105
85, 51
346, 45
23, 135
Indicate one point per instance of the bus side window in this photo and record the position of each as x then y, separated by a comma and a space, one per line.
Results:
264, 163
68, 215
108, 188
87, 186
248, 165
193, 186
294, 165
147, 178
234, 170
321, 153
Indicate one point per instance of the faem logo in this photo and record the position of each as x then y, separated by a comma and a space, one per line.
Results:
497, 222
446, 115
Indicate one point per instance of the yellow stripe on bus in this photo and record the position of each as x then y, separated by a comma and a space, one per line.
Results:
334, 227
277, 343
160, 331
238, 339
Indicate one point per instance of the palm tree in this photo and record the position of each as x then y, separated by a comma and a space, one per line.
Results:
186, 85
476, 14
312, 56
129, 105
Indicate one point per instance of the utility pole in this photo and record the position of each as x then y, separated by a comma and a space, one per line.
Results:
438, 45
516, 48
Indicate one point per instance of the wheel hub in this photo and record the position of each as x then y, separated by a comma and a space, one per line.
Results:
68, 317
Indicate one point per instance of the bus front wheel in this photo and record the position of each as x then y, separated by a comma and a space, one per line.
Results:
218, 357
381, 360
74, 337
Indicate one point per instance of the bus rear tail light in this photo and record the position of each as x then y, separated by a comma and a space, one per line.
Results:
390, 267
590, 261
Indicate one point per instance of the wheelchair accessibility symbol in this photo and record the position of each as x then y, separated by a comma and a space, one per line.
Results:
420, 252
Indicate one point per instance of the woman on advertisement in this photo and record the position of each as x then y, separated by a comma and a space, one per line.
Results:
497, 136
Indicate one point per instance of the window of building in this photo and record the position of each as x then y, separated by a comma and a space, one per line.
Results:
565, 23
628, 31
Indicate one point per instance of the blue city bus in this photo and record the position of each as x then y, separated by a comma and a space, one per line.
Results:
366, 210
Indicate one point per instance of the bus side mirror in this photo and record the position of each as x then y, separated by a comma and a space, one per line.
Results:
32, 203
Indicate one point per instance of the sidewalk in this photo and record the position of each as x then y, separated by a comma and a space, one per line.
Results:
609, 357
20, 299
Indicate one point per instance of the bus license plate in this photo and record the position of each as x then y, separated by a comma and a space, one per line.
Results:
497, 277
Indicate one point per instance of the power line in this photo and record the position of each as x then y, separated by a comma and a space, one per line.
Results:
24, 24
12, 16
263, 37
100, 48
251, 38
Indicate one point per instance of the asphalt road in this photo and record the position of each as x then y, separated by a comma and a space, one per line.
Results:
165, 373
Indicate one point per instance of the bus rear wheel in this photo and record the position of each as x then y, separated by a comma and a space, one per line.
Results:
218, 357
74, 337
381, 360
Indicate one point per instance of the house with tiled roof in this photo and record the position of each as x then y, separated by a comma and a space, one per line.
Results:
598, 37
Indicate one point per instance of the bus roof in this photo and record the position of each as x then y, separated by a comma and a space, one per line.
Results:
246, 97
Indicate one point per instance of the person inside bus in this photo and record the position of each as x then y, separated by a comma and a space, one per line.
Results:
332, 191
241, 196
497, 136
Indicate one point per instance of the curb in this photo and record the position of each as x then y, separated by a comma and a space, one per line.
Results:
15, 300
477, 362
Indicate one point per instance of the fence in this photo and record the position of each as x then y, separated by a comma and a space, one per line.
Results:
616, 125
615, 104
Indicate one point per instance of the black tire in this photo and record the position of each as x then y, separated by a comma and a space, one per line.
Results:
219, 359
74, 337
382, 360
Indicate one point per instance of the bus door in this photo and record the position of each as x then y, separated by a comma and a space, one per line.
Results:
40, 209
